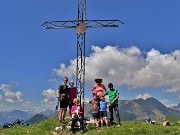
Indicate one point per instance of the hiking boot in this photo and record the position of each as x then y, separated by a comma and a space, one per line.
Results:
82, 131
63, 122
71, 132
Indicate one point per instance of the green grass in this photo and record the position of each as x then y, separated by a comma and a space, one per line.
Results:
128, 128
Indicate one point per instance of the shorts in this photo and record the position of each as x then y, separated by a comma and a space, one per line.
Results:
64, 104
103, 114
96, 115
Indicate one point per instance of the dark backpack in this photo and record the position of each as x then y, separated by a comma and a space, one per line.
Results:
7, 125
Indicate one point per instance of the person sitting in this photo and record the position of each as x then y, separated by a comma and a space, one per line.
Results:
147, 120
165, 122
77, 113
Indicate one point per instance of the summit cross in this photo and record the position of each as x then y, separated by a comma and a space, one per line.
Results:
81, 24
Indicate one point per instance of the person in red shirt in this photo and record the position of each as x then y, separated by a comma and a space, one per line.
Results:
99, 87
72, 95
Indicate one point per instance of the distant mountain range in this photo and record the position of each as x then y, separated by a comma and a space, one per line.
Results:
138, 109
129, 110
176, 107
37, 118
10, 117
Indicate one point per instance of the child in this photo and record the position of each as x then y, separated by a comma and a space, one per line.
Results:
95, 109
103, 112
77, 113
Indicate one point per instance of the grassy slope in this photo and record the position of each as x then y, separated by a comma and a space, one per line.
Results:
128, 128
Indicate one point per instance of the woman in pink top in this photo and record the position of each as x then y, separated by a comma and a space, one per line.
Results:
72, 95
100, 88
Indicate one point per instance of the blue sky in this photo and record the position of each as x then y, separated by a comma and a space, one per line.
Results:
141, 58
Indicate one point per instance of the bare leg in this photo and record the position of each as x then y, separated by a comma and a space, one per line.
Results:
60, 115
64, 114
106, 121
96, 122
101, 122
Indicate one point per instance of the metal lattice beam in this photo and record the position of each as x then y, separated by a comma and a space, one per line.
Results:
74, 24
81, 24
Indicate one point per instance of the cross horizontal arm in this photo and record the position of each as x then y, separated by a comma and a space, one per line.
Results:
75, 23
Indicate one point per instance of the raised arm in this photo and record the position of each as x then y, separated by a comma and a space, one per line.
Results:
93, 88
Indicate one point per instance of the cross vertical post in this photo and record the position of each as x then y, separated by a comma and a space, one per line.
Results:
81, 24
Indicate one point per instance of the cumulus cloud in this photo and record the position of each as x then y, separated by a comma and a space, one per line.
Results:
145, 96
9, 95
50, 96
13, 96
5, 87
167, 103
129, 66
53, 80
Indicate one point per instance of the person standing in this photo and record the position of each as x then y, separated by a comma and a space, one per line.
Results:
95, 109
63, 98
103, 112
99, 87
113, 103
72, 95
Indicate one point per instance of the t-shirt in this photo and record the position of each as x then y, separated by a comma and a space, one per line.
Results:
100, 88
76, 108
95, 106
72, 93
103, 106
112, 95
63, 92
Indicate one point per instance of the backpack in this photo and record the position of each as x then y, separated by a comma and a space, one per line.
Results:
7, 125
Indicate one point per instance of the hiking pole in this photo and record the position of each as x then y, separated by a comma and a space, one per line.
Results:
57, 106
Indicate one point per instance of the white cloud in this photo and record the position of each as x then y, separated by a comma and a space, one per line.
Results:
13, 96
164, 101
145, 96
50, 96
9, 95
127, 66
53, 80
27, 104
5, 87
167, 103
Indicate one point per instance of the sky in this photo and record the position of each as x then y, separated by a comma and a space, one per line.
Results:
141, 58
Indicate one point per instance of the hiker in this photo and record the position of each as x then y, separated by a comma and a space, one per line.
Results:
95, 109
63, 98
113, 103
165, 122
77, 114
72, 95
99, 87
103, 112
147, 120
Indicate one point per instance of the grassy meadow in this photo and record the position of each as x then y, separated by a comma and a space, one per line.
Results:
47, 127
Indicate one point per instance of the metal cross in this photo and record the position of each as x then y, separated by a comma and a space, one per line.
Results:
81, 24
